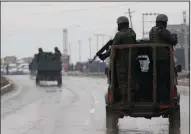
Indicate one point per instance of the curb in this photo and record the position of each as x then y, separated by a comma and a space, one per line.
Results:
7, 88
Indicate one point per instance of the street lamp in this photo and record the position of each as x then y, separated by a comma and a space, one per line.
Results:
130, 16
90, 39
65, 38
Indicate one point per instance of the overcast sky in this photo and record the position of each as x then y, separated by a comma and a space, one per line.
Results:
26, 26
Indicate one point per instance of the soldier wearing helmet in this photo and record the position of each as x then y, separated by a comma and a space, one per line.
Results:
159, 34
125, 35
57, 53
40, 52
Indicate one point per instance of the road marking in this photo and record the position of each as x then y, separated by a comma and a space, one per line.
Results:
92, 111
96, 102
13, 95
6, 85
86, 123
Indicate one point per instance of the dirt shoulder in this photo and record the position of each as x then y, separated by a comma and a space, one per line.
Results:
4, 81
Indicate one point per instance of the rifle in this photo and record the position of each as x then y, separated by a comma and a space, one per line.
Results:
105, 47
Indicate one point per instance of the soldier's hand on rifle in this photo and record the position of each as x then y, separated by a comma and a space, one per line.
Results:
102, 56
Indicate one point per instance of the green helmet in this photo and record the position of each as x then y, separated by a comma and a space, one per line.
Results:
56, 48
162, 17
122, 19
40, 49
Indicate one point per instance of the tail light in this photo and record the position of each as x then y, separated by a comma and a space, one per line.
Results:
174, 92
110, 97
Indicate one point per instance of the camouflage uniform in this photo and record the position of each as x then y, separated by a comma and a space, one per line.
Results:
39, 54
159, 34
57, 53
125, 35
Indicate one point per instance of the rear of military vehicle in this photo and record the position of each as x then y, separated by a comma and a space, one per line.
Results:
49, 69
143, 96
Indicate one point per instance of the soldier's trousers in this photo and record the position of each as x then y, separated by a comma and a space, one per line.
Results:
122, 76
163, 80
122, 79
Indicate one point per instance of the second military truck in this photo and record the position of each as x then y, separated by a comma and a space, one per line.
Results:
48, 68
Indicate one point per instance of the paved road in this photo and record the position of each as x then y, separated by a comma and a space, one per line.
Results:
76, 108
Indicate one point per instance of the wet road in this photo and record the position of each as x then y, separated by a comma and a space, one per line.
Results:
77, 107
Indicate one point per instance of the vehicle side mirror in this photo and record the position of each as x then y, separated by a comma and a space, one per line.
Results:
178, 68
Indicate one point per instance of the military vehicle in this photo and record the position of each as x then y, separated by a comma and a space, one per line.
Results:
141, 93
48, 68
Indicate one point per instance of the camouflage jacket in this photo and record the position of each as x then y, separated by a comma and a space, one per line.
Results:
159, 34
124, 36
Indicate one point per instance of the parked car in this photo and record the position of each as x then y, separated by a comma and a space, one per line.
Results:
23, 69
3, 69
13, 69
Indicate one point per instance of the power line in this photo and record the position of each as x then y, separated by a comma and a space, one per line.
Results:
79, 43
143, 21
78, 10
185, 42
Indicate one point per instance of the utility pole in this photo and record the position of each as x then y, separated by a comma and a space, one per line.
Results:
90, 47
130, 17
69, 52
79, 43
103, 39
185, 42
69, 49
143, 19
65, 41
97, 39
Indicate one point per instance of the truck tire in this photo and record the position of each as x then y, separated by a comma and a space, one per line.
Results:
174, 120
37, 81
60, 81
111, 120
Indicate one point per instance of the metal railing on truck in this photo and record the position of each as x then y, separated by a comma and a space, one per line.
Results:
154, 46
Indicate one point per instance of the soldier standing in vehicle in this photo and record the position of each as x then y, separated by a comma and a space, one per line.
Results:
125, 35
57, 52
40, 52
159, 34
57, 55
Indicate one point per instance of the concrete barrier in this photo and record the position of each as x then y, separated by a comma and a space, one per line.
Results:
6, 87
80, 74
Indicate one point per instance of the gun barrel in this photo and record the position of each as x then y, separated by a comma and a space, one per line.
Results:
90, 61
105, 47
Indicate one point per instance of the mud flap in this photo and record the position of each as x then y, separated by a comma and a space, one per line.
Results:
174, 121
111, 121
37, 81
106, 98
59, 81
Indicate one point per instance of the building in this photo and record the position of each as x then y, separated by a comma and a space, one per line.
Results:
179, 51
179, 30
10, 59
